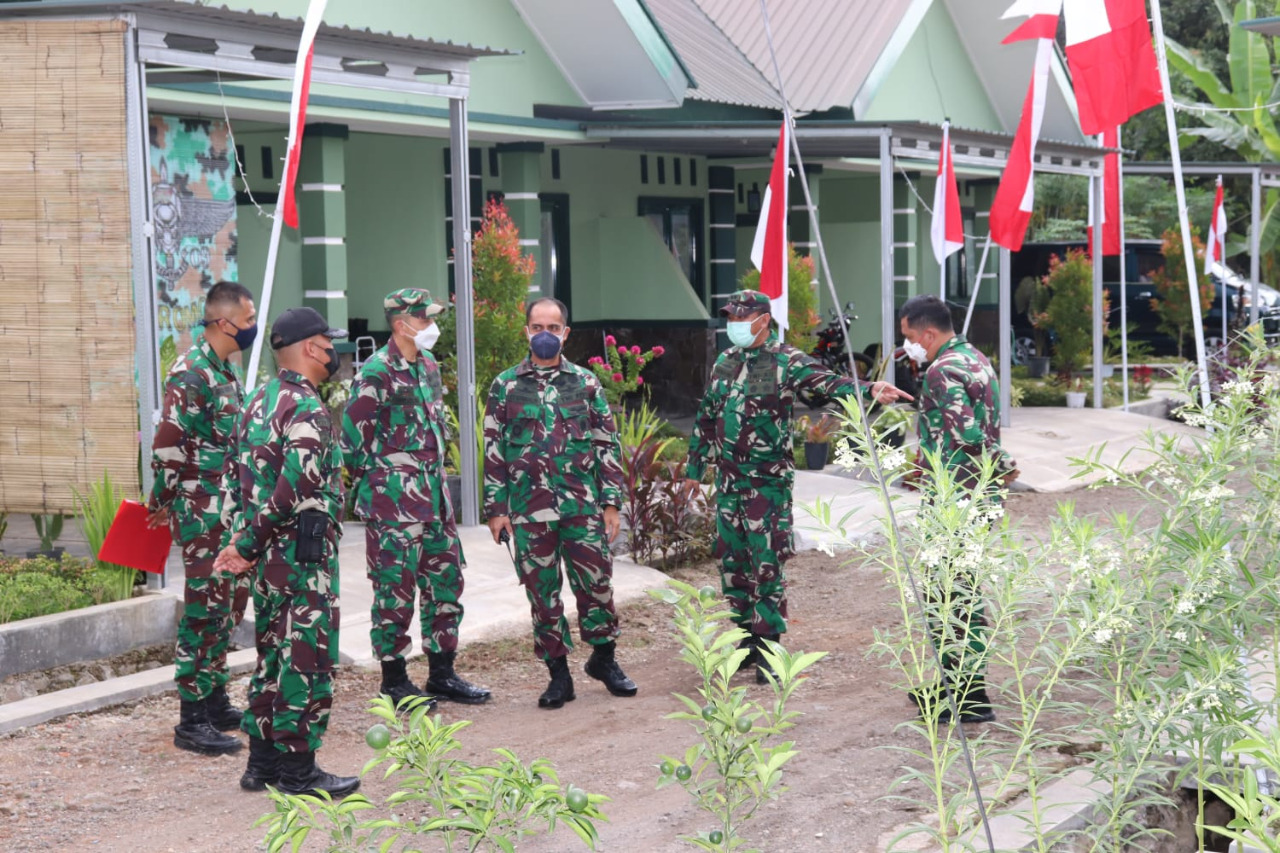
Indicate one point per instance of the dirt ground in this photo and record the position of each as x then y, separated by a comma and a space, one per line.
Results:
113, 781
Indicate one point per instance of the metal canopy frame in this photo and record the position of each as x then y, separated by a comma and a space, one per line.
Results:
889, 144
187, 35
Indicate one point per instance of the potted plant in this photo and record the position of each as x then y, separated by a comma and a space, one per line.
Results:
48, 528
817, 439
1075, 397
1064, 307
891, 425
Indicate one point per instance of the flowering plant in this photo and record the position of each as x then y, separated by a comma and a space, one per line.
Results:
619, 369
1142, 375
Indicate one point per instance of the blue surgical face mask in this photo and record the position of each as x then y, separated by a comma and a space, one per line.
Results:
545, 345
740, 334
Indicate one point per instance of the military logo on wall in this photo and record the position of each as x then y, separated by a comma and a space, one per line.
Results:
193, 211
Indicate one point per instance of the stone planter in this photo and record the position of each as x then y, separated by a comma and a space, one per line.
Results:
89, 633
815, 455
1075, 399
1038, 366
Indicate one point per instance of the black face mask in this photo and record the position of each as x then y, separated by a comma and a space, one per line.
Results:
244, 338
333, 363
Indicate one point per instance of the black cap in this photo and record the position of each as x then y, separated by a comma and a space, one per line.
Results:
298, 324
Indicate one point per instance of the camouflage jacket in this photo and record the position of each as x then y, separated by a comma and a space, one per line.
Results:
393, 439
193, 442
960, 410
287, 461
743, 425
550, 446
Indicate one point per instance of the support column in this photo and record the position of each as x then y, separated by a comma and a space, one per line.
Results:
521, 166
722, 252
1006, 337
1255, 243
1098, 188
888, 303
460, 164
323, 207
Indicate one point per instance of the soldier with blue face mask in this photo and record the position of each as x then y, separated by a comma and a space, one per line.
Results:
743, 428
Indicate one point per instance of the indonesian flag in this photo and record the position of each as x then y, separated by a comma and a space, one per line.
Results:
1109, 50
1216, 248
1015, 197
1112, 216
298, 111
769, 250
946, 230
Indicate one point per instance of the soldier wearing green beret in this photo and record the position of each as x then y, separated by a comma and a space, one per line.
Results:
393, 437
743, 428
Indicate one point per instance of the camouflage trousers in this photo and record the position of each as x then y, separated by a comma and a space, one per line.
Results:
401, 557
296, 630
958, 625
580, 542
753, 541
213, 606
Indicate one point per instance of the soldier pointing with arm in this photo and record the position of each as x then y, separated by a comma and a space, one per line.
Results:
743, 428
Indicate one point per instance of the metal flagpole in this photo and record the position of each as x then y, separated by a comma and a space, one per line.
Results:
977, 285
1179, 186
1124, 276
264, 304
1222, 264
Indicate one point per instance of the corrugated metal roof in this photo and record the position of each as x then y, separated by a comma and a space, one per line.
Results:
826, 48
723, 72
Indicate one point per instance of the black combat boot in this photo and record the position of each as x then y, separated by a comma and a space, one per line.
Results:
560, 690
223, 716
264, 765
603, 667
194, 734
299, 774
753, 652
396, 684
763, 670
444, 683
975, 704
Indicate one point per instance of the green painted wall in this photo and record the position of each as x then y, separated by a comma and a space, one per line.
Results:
638, 279
395, 220
510, 85
934, 79
254, 234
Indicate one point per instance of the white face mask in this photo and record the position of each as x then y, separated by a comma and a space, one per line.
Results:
915, 352
426, 339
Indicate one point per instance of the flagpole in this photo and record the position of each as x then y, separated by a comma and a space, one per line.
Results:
1179, 186
264, 303
944, 155
1221, 255
1124, 276
977, 285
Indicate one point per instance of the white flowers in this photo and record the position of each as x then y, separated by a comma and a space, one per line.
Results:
1210, 496
1102, 636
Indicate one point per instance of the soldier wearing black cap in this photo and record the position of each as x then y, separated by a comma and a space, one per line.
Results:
743, 429
284, 507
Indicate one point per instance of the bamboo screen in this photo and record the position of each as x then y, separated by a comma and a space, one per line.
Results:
68, 399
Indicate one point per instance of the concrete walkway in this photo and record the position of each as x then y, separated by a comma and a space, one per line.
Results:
1043, 440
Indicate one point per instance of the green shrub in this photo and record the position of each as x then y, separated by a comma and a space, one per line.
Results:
24, 595
676, 450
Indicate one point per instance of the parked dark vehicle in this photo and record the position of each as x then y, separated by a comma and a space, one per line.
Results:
1143, 258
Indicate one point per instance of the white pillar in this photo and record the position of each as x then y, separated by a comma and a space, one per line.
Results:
1006, 339
1255, 242
460, 170
1098, 188
888, 307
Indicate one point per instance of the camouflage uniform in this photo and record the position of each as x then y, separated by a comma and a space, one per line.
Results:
190, 456
393, 440
551, 465
287, 462
743, 427
960, 421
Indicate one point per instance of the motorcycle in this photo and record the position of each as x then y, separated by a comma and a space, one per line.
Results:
831, 351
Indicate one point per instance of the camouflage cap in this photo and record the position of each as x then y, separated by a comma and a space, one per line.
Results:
412, 300
746, 301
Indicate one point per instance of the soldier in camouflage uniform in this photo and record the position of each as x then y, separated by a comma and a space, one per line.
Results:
743, 427
960, 422
284, 504
393, 440
191, 452
552, 481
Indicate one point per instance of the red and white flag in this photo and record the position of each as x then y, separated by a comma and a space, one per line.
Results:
1215, 251
769, 250
946, 230
1112, 215
1109, 50
298, 111
1015, 196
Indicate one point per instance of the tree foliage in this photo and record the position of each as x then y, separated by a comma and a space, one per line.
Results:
1174, 306
802, 299
501, 274
1063, 304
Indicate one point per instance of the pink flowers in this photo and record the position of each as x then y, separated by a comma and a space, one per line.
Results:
658, 351
617, 377
619, 368
610, 340
635, 350
595, 359
639, 380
